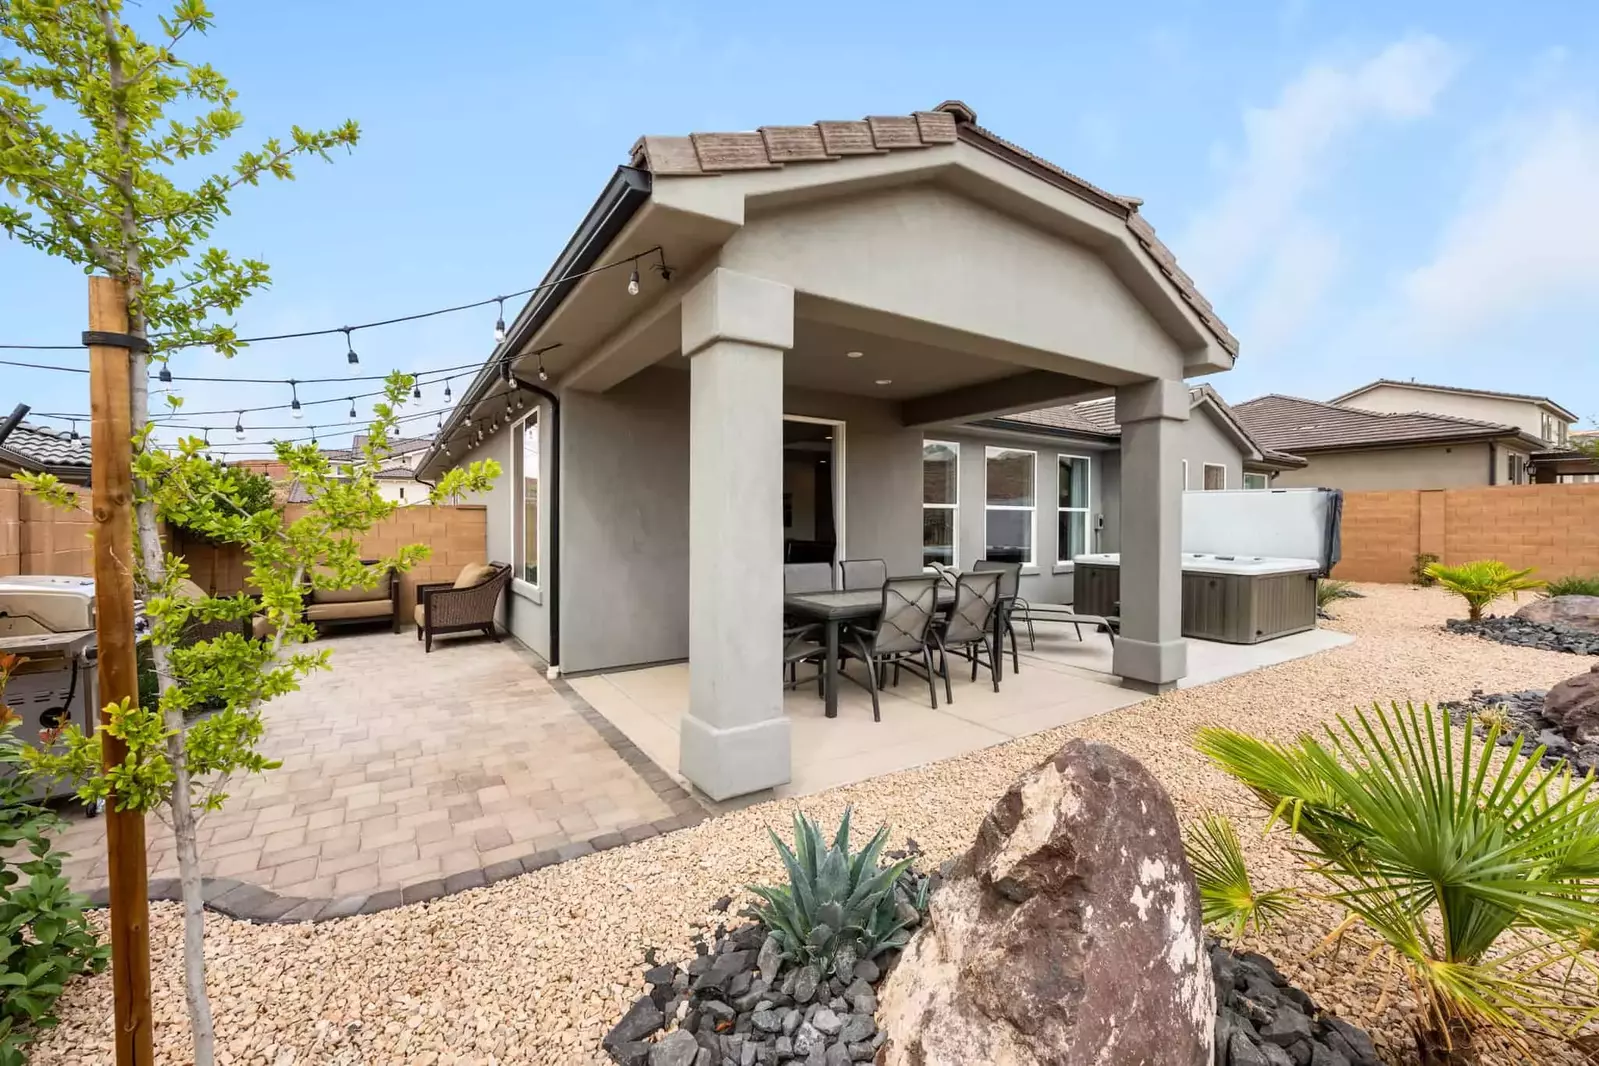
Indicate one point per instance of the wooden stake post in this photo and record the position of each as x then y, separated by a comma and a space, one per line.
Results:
114, 561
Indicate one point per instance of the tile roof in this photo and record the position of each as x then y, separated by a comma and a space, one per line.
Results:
47, 447
771, 147
1454, 389
1297, 425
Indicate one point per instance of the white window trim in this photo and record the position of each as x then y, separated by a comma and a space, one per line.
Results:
519, 505
1031, 562
1213, 466
953, 508
1185, 475
1085, 510
1265, 480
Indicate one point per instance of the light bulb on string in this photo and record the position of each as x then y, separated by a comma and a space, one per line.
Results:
499, 322
165, 374
632, 281
238, 427
74, 429
313, 436
294, 405
507, 372
446, 390
350, 355
207, 440
353, 415
416, 389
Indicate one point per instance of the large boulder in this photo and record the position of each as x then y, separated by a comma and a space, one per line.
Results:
1573, 706
1069, 934
1575, 612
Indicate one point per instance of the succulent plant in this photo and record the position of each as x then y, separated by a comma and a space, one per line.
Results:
837, 908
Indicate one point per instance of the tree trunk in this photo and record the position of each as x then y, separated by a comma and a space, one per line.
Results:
1449, 1044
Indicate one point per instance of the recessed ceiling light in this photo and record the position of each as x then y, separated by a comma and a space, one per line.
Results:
828, 437
885, 381
854, 355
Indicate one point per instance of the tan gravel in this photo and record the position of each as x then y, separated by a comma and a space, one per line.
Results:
534, 970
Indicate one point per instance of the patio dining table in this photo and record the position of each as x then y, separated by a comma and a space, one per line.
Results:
832, 609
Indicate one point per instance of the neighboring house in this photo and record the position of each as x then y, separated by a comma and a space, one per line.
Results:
1352, 449
797, 311
50, 451
1536, 416
397, 477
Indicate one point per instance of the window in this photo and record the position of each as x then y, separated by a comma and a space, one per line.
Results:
1517, 466
1185, 475
1215, 476
526, 460
941, 462
1071, 518
1255, 481
1008, 521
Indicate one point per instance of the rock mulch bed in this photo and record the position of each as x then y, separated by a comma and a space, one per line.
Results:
1524, 709
1263, 1020
536, 969
1520, 633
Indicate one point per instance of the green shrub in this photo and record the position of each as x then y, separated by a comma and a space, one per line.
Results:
1482, 582
44, 936
1418, 570
837, 908
1328, 590
1475, 872
1573, 585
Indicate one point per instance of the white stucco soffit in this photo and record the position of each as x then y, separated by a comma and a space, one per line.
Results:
731, 306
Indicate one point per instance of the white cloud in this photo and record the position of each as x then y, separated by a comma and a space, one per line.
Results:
1304, 264
1525, 237
1292, 145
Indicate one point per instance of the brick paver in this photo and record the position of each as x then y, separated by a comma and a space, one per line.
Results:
402, 770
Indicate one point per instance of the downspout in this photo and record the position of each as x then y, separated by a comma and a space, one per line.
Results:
1493, 463
554, 670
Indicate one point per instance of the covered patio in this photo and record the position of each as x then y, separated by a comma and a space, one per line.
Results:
885, 280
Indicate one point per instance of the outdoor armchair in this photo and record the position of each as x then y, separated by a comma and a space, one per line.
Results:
466, 604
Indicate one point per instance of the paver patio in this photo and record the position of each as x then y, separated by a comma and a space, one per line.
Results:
404, 773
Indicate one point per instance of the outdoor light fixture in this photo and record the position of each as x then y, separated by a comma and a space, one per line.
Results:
166, 374
238, 427
416, 389
853, 355
885, 381
313, 436
294, 405
352, 408
499, 322
446, 390
74, 430
632, 281
509, 374
448, 453
350, 354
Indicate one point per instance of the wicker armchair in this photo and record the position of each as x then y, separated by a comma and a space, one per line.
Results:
463, 605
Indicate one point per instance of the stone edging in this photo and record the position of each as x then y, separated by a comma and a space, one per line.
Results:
250, 902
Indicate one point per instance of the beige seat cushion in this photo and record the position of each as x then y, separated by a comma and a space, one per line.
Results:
339, 612
421, 615
379, 591
473, 573
261, 627
188, 590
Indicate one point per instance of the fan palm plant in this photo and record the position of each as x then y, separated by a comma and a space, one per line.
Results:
1482, 582
1475, 869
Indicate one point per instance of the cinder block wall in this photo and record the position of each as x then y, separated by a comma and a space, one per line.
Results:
1554, 528
35, 538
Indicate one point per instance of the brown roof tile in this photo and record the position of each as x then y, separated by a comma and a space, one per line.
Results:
1454, 389
1297, 425
950, 121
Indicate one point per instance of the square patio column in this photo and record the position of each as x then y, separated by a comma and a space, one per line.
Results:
735, 737
1150, 651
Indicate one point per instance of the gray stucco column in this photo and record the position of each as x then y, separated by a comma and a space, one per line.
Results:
735, 737
1150, 652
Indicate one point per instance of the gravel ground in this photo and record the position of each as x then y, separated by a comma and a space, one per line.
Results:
536, 969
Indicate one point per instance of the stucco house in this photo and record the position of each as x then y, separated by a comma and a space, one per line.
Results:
815, 339
37, 449
1538, 417
1354, 449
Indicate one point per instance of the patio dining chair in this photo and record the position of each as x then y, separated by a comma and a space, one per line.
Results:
968, 630
807, 577
799, 643
864, 573
1010, 602
900, 637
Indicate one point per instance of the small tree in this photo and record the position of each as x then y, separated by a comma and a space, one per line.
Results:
1482, 582
100, 192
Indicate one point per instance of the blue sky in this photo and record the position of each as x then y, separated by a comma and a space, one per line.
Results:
1362, 189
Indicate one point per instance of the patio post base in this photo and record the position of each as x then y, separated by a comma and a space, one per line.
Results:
1150, 666
734, 761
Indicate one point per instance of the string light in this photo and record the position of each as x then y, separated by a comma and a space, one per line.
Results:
508, 372
446, 390
416, 389
352, 408
238, 427
165, 375
294, 405
350, 354
499, 323
632, 281
74, 430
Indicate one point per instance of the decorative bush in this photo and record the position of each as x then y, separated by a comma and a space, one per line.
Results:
1482, 582
44, 937
1418, 570
1573, 585
1328, 590
1474, 871
837, 908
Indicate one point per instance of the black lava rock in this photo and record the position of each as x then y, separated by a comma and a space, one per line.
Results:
641, 1019
1523, 633
1524, 710
1263, 1020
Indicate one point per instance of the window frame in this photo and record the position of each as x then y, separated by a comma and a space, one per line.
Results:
1031, 562
519, 502
1204, 468
952, 508
1265, 480
1086, 510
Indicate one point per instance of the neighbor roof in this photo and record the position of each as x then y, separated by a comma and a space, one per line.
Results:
1294, 424
952, 121
46, 448
397, 446
1459, 391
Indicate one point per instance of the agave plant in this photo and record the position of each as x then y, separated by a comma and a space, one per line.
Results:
837, 908
1482, 582
1474, 867
1328, 590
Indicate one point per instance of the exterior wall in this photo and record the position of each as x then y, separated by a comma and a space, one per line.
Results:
35, 538
1523, 414
1431, 467
1554, 528
1203, 440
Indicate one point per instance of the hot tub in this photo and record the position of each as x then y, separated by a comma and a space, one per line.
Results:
1236, 599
